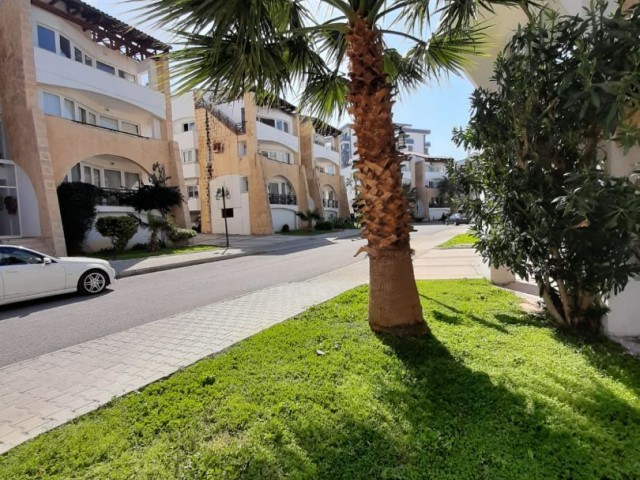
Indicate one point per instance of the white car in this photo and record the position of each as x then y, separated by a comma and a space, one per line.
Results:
26, 274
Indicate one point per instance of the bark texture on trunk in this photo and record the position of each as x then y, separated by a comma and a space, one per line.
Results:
394, 305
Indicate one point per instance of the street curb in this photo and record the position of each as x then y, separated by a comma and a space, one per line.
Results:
200, 261
188, 263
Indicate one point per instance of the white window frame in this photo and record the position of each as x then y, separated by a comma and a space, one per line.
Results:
17, 195
193, 192
189, 155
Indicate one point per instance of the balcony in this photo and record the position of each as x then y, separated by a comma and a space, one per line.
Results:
282, 199
329, 203
322, 152
52, 69
271, 134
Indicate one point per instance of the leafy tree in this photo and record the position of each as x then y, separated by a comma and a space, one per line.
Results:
78, 211
118, 229
275, 46
309, 216
411, 195
547, 209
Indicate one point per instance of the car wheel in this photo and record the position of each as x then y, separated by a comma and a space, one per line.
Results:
92, 282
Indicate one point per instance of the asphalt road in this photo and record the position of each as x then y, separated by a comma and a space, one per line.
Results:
34, 328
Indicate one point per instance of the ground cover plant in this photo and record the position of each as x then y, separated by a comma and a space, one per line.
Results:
462, 240
491, 394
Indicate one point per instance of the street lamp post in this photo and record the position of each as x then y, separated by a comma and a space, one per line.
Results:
223, 193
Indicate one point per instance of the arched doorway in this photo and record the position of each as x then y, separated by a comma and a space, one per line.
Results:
330, 202
283, 202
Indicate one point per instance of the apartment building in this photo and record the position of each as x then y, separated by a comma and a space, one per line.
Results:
257, 166
83, 97
185, 133
418, 164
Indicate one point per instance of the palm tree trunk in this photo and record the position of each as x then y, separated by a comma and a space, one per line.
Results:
394, 305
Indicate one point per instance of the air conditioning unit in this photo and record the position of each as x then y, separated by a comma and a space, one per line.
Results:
218, 147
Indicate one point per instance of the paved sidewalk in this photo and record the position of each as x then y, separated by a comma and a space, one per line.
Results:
240, 246
41, 393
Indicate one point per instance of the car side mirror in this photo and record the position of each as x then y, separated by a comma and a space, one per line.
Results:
47, 261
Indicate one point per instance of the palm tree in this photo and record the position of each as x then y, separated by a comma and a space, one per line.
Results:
309, 216
275, 47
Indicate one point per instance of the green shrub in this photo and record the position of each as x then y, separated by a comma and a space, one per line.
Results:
118, 229
324, 225
177, 234
78, 211
285, 228
154, 197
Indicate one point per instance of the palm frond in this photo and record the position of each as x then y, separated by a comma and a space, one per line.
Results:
324, 95
449, 51
406, 73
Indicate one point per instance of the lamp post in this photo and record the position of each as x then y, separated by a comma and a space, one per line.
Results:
223, 193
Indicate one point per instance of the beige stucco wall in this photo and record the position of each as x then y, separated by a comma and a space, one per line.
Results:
304, 178
25, 126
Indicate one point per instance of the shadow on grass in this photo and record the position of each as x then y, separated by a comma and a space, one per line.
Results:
458, 312
367, 407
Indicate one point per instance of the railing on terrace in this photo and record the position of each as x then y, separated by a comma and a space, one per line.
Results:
110, 129
114, 197
327, 146
282, 199
239, 128
328, 203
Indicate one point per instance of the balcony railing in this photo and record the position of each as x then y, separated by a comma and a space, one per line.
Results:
328, 203
110, 129
114, 197
282, 199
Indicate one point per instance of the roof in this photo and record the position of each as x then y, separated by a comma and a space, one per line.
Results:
323, 128
105, 29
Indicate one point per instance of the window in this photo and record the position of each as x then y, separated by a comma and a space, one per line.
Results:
46, 38
282, 125
9, 219
108, 122
188, 127
129, 128
192, 191
267, 121
65, 46
112, 178
69, 110
88, 60
126, 76
51, 104
131, 180
244, 184
227, 212
103, 67
283, 157
189, 156
17, 256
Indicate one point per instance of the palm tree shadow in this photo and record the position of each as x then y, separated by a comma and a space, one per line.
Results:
460, 313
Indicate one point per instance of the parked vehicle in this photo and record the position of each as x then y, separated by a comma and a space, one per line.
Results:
26, 274
457, 219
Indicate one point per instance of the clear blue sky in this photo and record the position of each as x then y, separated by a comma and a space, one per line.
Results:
438, 107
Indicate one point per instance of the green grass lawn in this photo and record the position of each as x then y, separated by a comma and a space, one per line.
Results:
462, 240
491, 394
133, 254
